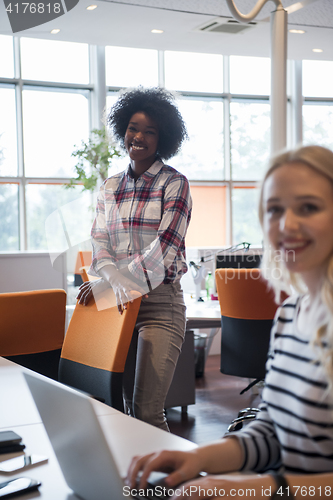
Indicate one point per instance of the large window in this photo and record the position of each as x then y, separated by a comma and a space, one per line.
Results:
245, 215
250, 75
318, 124
41, 122
202, 156
51, 200
54, 61
7, 56
9, 218
250, 139
188, 71
127, 67
8, 144
318, 103
49, 136
317, 78
47, 109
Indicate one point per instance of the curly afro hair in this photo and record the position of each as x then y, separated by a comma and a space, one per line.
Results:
159, 105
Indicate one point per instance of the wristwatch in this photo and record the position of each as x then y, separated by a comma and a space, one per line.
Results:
283, 489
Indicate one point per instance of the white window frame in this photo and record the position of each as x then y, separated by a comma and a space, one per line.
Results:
97, 92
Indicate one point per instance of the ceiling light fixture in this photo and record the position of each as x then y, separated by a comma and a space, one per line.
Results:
298, 32
54, 32
92, 7
157, 31
317, 50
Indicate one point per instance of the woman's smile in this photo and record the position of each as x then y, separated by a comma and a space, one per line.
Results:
298, 218
141, 141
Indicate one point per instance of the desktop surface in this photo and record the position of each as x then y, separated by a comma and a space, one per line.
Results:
126, 436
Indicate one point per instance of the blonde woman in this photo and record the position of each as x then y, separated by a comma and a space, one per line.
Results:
288, 450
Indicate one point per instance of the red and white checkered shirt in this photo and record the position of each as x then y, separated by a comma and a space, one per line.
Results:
142, 224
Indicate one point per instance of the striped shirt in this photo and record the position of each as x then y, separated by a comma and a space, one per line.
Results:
295, 427
142, 224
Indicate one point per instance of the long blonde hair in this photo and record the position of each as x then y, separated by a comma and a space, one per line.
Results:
274, 270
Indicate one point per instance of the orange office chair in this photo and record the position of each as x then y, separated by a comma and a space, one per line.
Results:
83, 260
32, 329
95, 348
247, 312
84, 274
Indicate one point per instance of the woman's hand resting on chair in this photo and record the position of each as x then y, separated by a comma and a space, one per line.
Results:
89, 289
124, 288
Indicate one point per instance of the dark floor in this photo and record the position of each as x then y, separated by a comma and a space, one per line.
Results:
217, 403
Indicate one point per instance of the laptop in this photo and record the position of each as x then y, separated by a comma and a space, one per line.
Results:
78, 440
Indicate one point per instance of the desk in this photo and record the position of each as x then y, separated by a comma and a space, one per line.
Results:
198, 315
126, 436
17, 405
204, 315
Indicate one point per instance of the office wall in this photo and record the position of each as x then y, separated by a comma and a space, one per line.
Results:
24, 271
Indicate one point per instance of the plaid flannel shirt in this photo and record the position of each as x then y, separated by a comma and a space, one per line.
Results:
142, 224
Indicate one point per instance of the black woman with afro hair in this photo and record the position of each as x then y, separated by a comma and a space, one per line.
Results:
158, 104
138, 239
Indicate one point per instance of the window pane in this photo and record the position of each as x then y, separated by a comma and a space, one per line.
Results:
245, 222
318, 125
72, 227
208, 222
193, 71
127, 67
317, 78
6, 56
53, 124
54, 61
9, 222
250, 75
250, 139
201, 157
8, 145
118, 164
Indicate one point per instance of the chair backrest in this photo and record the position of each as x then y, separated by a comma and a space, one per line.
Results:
83, 260
96, 345
32, 328
247, 311
84, 274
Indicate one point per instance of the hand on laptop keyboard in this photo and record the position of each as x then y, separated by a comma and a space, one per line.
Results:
179, 465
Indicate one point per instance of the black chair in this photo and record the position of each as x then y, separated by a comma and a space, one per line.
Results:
247, 311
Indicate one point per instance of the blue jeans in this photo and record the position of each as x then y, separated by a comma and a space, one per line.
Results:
153, 353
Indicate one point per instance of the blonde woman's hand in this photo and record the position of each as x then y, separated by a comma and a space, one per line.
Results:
181, 466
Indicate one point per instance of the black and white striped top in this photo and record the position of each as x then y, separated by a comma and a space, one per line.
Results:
295, 427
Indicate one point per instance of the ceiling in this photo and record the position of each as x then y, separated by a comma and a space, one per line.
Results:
129, 23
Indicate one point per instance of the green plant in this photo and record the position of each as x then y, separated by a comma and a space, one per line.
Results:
94, 160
